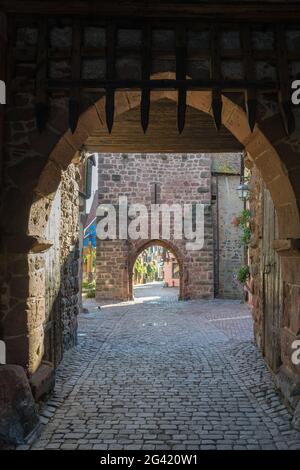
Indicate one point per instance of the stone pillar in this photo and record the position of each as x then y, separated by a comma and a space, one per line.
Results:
112, 281
24, 310
288, 377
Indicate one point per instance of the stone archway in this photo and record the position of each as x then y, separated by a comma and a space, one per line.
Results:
168, 245
267, 147
272, 164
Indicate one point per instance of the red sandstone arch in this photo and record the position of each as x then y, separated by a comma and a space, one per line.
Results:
141, 246
259, 147
267, 147
275, 156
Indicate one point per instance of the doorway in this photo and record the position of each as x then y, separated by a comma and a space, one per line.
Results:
156, 275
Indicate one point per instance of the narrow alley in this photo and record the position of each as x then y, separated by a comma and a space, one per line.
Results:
156, 373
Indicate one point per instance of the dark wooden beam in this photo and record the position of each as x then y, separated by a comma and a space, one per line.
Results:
215, 74
221, 10
110, 74
146, 73
11, 59
249, 72
74, 102
28, 54
166, 84
41, 98
181, 54
284, 94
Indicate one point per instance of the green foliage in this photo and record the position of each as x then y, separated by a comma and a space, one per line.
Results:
246, 236
242, 221
90, 294
243, 274
145, 270
88, 284
89, 289
245, 217
139, 268
151, 271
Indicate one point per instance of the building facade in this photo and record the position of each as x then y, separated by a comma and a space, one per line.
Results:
174, 179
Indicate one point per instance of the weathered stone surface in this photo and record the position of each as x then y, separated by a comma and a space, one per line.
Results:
21, 137
18, 412
173, 179
61, 268
135, 177
296, 418
289, 385
43, 380
229, 250
287, 340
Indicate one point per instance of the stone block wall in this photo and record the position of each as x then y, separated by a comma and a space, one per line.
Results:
276, 323
255, 253
29, 155
180, 179
230, 248
61, 269
229, 252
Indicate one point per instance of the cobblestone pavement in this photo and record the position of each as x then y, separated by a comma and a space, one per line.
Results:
162, 374
154, 291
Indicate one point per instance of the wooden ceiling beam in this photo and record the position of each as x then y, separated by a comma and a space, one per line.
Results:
241, 11
164, 84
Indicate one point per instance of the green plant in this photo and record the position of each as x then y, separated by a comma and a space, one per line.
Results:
243, 274
90, 294
151, 271
139, 269
89, 289
87, 285
246, 236
243, 221
94, 255
244, 217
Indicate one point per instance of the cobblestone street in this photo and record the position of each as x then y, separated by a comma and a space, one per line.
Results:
160, 374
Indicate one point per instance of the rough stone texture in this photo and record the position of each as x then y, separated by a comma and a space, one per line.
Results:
230, 248
40, 304
229, 254
42, 381
256, 284
18, 412
179, 179
296, 418
288, 320
160, 374
69, 256
26, 153
62, 261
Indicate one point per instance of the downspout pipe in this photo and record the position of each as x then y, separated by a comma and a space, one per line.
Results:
90, 162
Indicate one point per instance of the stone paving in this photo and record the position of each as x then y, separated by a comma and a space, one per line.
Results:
160, 374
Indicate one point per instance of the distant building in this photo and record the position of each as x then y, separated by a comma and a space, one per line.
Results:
171, 273
157, 178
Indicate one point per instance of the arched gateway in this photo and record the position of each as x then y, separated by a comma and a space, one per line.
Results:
273, 161
46, 130
168, 246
